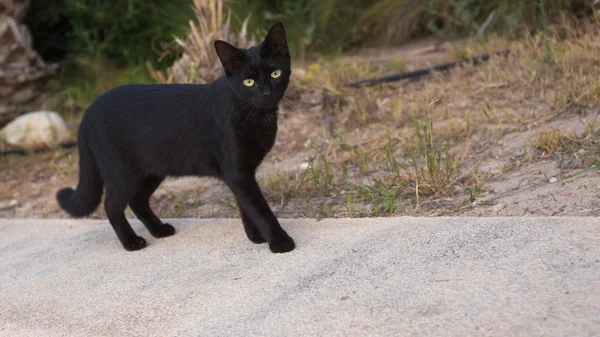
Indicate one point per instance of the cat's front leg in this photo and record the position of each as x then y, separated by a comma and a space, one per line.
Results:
251, 229
257, 210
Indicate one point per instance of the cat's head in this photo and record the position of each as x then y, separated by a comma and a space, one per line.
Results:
259, 75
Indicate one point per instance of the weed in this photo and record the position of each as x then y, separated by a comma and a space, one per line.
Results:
383, 196
393, 165
282, 186
474, 192
344, 173
552, 141
434, 168
399, 65
321, 175
594, 166
349, 204
487, 109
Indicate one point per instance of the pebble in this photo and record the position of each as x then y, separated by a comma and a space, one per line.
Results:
498, 207
565, 194
553, 180
8, 204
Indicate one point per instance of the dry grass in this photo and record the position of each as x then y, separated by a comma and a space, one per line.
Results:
199, 62
551, 141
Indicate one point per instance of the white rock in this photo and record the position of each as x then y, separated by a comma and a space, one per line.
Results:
304, 166
553, 180
36, 129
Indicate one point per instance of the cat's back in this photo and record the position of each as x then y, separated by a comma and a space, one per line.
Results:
148, 97
138, 111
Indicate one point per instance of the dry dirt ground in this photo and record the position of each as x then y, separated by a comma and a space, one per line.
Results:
516, 136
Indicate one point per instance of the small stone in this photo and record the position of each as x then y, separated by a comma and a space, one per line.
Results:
498, 207
565, 194
8, 204
304, 166
553, 180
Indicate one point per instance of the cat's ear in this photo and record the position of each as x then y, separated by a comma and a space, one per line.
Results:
275, 41
230, 56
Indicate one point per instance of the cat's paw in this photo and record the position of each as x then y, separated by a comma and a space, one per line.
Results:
254, 236
163, 231
136, 243
283, 244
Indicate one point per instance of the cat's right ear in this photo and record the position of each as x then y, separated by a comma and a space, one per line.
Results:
230, 56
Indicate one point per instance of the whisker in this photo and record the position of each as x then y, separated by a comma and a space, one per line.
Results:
286, 100
290, 101
247, 105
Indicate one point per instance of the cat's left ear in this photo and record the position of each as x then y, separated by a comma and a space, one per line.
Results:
276, 42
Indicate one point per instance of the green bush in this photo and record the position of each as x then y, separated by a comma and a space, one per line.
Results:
123, 30
312, 26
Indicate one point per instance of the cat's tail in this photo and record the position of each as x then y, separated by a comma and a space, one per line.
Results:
86, 198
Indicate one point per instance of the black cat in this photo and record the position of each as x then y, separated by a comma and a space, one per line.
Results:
133, 136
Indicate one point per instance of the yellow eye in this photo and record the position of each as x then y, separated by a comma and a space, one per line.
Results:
249, 82
276, 73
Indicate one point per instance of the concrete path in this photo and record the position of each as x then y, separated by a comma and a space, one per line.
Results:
347, 277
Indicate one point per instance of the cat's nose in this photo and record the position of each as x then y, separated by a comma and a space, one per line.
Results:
266, 93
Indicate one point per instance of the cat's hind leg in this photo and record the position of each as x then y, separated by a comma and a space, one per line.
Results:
140, 205
114, 204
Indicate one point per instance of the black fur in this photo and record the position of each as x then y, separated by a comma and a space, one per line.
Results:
134, 136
